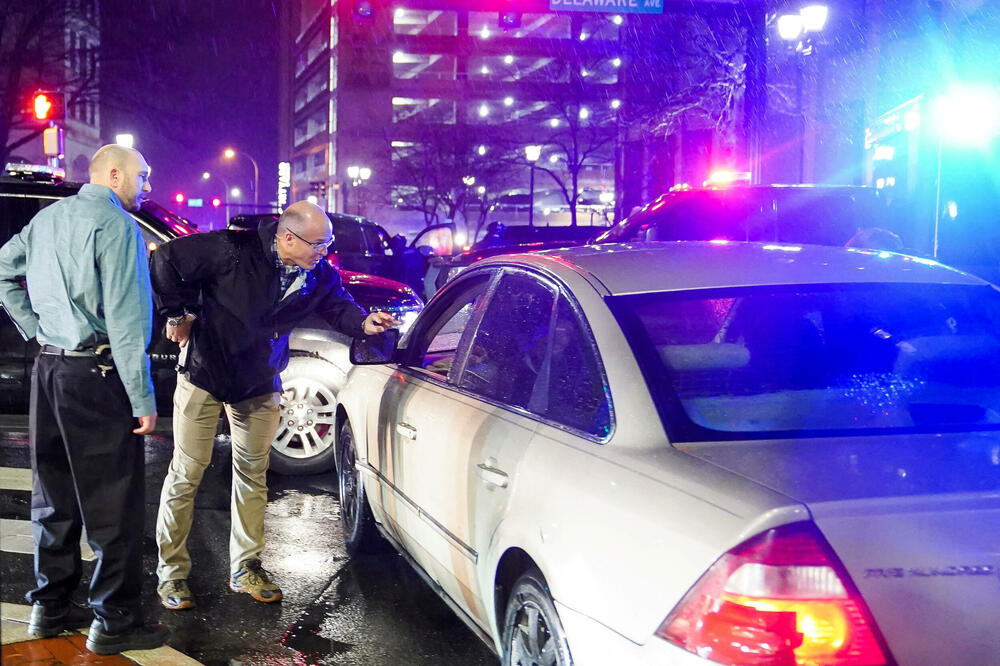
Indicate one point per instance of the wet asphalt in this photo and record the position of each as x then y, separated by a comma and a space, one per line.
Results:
373, 610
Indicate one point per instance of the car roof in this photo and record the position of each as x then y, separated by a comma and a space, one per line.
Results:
633, 268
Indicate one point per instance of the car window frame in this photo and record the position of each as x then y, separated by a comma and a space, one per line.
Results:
562, 291
413, 347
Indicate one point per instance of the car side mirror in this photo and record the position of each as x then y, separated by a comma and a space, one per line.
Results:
375, 349
426, 251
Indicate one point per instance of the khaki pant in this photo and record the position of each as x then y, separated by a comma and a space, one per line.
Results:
253, 425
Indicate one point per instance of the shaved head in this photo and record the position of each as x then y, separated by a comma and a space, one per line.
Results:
111, 156
303, 217
124, 170
304, 235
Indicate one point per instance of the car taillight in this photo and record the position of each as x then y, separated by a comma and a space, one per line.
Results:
779, 599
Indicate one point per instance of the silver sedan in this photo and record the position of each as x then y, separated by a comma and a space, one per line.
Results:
684, 453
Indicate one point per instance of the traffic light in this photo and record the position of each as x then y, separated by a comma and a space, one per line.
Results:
179, 197
318, 187
45, 106
216, 202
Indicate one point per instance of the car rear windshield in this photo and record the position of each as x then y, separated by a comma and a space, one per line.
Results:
819, 360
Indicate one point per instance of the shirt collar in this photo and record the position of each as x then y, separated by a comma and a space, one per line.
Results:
279, 263
92, 191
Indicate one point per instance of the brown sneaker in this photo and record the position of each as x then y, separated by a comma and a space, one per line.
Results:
253, 580
175, 594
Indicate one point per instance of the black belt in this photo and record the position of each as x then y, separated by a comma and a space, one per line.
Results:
59, 351
101, 354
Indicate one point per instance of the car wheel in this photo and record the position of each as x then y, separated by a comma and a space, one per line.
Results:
360, 532
306, 439
532, 632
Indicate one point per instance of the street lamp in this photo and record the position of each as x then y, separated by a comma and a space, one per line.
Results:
207, 175
797, 29
229, 154
358, 176
532, 153
126, 140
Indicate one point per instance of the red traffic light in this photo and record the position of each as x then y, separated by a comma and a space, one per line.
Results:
216, 202
179, 197
47, 106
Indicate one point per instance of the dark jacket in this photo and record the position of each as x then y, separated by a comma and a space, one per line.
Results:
230, 280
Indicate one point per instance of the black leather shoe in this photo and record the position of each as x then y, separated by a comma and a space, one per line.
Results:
52, 620
139, 637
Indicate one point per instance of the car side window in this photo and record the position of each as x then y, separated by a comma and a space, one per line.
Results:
507, 351
574, 395
15, 212
348, 237
378, 240
437, 346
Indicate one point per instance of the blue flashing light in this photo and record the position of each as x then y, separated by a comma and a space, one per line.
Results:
969, 115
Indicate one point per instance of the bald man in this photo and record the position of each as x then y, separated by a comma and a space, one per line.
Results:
231, 298
87, 292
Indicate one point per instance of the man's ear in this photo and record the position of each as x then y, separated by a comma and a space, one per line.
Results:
114, 177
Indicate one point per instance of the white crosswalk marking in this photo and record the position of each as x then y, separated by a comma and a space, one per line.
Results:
15, 478
15, 535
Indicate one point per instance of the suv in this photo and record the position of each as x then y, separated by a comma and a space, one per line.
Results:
814, 214
501, 239
363, 246
316, 370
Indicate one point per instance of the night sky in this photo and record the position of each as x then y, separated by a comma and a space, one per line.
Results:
189, 78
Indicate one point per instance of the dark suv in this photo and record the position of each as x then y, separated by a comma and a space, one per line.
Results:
319, 357
363, 246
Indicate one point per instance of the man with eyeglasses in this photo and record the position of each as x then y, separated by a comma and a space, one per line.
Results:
231, 298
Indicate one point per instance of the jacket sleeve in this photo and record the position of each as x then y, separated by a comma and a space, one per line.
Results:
179, 267
128, 308
13, 295
339, 309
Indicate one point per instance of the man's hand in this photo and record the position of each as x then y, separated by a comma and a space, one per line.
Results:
146, 424
379, 322
181, 332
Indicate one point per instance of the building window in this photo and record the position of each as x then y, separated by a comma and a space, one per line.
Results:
598, 27
299, 165
426, 110
318, 159
301, 132
424, 22
534, 26
532, 69
423, 66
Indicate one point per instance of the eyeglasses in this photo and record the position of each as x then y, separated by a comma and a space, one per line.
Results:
322, 246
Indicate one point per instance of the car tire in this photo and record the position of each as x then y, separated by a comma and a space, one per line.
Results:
531, 615
307, 433
360, 532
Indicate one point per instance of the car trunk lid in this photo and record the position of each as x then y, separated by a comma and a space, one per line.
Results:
916, 522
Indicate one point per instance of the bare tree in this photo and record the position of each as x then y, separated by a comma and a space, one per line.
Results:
581, 134
440, 171
37, 53
698, 80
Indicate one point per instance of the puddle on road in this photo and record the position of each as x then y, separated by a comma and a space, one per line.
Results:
304, 636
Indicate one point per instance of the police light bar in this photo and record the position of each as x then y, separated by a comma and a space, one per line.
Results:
724, 177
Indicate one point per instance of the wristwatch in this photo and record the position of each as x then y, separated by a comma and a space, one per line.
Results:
177, 321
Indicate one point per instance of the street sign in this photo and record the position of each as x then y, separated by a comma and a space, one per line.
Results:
609, 6
195, 203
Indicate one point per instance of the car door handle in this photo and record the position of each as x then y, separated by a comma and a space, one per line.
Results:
406, 430
489, 473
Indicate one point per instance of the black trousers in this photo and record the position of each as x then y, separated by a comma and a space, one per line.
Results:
88, 469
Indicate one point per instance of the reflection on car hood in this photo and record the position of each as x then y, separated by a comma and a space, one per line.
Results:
372, 291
